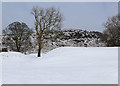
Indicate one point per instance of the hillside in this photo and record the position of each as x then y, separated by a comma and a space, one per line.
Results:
65, 65
71, 38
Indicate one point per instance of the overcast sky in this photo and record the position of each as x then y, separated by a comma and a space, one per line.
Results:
77, 15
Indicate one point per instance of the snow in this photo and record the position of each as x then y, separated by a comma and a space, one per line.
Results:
0, 71
65, 65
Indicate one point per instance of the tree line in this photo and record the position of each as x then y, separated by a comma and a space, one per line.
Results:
17, 36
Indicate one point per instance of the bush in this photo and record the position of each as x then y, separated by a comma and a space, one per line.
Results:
112, 33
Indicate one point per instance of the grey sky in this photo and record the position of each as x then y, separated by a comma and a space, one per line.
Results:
0, 18
77, 15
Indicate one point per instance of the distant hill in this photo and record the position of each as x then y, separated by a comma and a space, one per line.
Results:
73, 38
67, 38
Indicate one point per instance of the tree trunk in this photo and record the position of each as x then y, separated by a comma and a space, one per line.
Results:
39, 43
39, 51
18, 49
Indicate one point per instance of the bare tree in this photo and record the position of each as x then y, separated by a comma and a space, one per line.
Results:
112, 33
17, 37
45, 20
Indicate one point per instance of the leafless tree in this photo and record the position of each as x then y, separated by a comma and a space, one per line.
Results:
112, 33
17, 37
45, 20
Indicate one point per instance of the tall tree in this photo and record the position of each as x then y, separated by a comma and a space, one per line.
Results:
45, 20
17, 37
112, 33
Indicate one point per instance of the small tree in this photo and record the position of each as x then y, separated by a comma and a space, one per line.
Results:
17, 37
112, 33
45, 20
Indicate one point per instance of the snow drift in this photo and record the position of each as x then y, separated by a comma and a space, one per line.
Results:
65, 65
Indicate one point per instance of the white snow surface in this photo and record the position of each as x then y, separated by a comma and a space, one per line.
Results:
65, 65
0, 71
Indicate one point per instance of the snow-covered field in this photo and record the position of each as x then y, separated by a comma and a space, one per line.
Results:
0, 71
65, 65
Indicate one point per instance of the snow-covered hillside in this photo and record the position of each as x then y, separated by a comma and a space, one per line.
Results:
71, 38
65, 65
